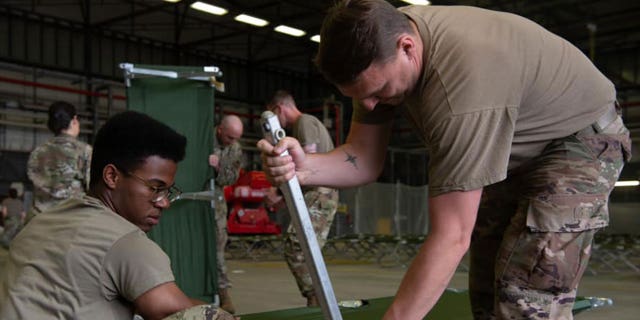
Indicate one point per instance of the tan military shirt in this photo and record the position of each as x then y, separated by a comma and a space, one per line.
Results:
495, 89
310, 130
80, 260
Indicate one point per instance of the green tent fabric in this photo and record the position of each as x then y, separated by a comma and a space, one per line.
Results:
187, 229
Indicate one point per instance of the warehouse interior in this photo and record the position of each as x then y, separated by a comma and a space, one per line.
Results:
76, 51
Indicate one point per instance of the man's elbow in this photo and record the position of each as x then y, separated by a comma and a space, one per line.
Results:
370, 176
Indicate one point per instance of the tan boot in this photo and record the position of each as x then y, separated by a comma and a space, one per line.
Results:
312, 300
225, 301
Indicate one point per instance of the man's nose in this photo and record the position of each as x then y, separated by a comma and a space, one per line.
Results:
370, 103
164, 203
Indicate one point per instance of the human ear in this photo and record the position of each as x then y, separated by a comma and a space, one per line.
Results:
110, 176
406, 45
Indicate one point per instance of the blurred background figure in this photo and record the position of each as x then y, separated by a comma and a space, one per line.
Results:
226, 160
322, 202
13, 216
59, 169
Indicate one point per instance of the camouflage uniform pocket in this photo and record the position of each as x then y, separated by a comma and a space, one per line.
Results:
567, 213
552, 262
565, 189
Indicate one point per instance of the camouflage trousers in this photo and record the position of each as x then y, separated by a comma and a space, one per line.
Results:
221, 242
201, 312
533, 236
322, 204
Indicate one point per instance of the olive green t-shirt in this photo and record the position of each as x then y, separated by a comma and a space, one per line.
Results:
80, 260
309, 130
495, 89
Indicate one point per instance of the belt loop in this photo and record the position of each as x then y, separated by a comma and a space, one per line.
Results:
606, 119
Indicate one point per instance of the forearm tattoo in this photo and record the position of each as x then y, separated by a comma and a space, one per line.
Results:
351, 159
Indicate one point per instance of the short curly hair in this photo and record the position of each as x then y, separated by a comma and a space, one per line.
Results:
127, 139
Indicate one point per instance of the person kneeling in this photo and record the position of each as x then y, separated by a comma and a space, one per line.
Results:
90, 257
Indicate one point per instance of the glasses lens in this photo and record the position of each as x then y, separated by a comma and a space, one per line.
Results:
159, 194
170, 194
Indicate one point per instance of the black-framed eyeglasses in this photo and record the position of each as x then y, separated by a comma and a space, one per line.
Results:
170, 193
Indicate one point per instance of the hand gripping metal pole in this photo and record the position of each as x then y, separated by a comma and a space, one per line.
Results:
304, 229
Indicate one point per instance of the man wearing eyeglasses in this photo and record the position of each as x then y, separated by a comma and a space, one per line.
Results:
89, 257
226, 160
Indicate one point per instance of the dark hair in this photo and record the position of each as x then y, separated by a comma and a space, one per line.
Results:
355, 34
129, 138
60, 115
13, 193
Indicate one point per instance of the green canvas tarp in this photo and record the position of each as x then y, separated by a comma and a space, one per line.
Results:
187, 229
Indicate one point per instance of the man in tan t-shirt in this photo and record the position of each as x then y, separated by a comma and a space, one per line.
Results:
89, 257
322, 202
524, 143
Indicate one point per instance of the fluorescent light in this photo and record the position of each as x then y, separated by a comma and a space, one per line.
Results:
208, 8
316, 38
418, 2
251, 20
628, 183
172, 1
290, 31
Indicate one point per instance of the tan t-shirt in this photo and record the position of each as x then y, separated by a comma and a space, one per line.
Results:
80, 260
495, 89
309, 130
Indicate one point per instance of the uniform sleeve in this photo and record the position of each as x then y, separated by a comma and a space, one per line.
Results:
230, 165
133, 266
309, 133
470, 151
86, 158
35, 165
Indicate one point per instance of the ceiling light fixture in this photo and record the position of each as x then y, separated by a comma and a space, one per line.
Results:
418, 2
251, 20
174, 1
628, 183
290, 31
208, 8
316, 38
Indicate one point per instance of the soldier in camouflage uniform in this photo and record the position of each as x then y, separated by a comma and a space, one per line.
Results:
60, 168
227, 161
322, 202
524, 144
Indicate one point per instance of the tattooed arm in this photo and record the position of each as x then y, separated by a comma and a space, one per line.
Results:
360, 160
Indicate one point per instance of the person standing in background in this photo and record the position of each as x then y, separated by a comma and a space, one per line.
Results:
226, 160
13, 216
60, 168
322, 202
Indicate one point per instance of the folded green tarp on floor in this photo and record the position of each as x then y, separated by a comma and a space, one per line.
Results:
453, 305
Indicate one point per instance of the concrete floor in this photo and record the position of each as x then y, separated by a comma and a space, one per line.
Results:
264, 286
268, 285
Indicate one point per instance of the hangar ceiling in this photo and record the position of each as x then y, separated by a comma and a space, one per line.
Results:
606, 26
606, 30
